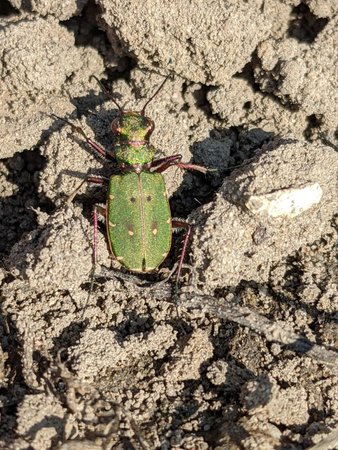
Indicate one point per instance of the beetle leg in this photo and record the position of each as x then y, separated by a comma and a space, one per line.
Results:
189, 166
163, 164
100, 150
101, 210
187, 227
88, 179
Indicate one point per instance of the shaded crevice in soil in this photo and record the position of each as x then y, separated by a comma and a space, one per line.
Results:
304, 25
6, 9
18, 216
314, 123
15, 388
247, 73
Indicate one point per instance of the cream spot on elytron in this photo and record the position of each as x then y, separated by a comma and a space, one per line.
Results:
111, 224
155, 231
131, 233
119, 258
111, 197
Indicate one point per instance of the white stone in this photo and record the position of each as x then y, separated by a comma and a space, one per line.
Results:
286, 202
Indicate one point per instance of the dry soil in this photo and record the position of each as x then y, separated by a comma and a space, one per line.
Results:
245, 355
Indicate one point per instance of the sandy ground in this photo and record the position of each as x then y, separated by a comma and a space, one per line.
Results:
245, 356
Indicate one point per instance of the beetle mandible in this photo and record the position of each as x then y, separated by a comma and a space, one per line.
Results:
137, 213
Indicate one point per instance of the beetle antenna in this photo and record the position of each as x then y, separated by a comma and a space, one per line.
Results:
154, 95
108, 94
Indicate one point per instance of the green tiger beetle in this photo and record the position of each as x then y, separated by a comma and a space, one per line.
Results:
137, 213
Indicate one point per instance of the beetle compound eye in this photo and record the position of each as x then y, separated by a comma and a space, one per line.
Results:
151, 126
116, 126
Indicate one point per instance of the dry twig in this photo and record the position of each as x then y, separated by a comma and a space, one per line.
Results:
273, 331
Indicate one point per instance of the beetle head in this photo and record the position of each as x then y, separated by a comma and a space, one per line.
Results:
132, 126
